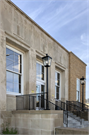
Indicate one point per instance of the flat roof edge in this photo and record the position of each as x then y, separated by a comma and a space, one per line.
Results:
10, 2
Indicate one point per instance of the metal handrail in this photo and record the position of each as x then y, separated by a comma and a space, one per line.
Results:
50, 102
75, 105
85, 107
63, 106
72, 107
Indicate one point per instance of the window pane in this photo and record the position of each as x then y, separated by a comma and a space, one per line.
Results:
42, 69
42, 76
57, 95
17, 78
19, 88
38, 75
17, 67
39, 71
58, 82
37, 67
78, 84
57, 92
57, 89
9, 77
56, 75
57, 79
16, 87
9, 64
42, 88
17, 58
9, 87
76, 95
14, 63
9, 54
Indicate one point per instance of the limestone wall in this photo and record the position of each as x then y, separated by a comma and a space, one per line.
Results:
23, 34
2, 71
33, 122
11, 102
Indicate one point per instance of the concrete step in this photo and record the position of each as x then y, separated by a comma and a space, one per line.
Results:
76, 119
78, 127
86, 122
76, 122
73, 124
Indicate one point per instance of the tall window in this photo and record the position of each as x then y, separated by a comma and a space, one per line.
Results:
13, 70
57, 85
40, 84
77, 89
39, 71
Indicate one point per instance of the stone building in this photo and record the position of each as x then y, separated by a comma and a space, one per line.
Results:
23, 43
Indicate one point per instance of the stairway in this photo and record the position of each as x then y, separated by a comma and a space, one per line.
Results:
76, 122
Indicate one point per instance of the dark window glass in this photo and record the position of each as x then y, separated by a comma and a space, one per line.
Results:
19, 88
57, 84
42, 88
57, 92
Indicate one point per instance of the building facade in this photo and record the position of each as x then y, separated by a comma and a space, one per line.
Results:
23, 43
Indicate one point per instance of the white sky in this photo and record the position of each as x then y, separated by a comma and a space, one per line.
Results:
65, 20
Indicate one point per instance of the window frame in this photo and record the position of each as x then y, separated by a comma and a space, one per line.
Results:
41, 82
58, 86
15, 93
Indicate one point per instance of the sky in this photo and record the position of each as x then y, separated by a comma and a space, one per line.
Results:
67, 21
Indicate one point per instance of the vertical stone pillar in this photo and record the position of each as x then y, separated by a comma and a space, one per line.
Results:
32, 72
66, 84
51, 82
2, 71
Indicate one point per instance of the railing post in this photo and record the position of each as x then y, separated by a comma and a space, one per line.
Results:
29, 102
67, 116
23, 102
16, 102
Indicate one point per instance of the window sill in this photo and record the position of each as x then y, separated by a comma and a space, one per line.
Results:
13, 93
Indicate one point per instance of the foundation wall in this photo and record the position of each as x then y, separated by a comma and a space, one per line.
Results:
33, 122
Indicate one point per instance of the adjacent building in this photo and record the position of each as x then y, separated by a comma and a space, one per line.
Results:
23, 43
